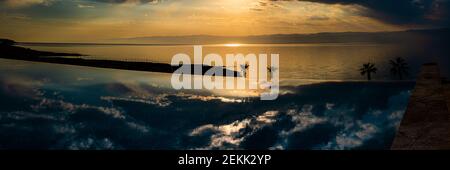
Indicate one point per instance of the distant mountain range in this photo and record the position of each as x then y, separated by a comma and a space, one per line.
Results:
332, 37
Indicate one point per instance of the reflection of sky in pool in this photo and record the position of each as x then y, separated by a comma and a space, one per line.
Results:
57, 106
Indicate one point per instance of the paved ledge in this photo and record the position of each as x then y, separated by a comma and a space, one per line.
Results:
426, 123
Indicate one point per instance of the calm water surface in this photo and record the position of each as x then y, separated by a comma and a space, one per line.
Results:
297, 61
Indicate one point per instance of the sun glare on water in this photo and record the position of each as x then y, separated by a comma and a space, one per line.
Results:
232, 45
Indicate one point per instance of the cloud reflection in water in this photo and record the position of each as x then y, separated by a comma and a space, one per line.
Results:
43, 113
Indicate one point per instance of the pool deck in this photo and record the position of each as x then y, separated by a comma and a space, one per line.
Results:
426, 123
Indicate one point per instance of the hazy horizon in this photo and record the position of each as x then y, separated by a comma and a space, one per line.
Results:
409, 35
233, 36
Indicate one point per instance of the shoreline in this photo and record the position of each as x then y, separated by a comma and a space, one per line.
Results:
26, 54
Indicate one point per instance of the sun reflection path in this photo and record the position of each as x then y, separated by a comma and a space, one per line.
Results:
232, 45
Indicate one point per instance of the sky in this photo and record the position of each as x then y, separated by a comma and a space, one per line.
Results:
98, 20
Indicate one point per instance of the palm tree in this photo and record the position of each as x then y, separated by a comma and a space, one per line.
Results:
399, 67
244, 68
271, 70
368, 69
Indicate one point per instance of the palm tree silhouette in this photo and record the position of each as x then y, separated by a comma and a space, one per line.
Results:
271, 70
399, 67
244, 68
368, 69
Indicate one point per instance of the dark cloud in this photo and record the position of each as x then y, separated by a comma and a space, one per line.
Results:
318, 18
402, 12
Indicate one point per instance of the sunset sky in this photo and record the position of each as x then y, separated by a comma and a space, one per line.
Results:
97, 20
